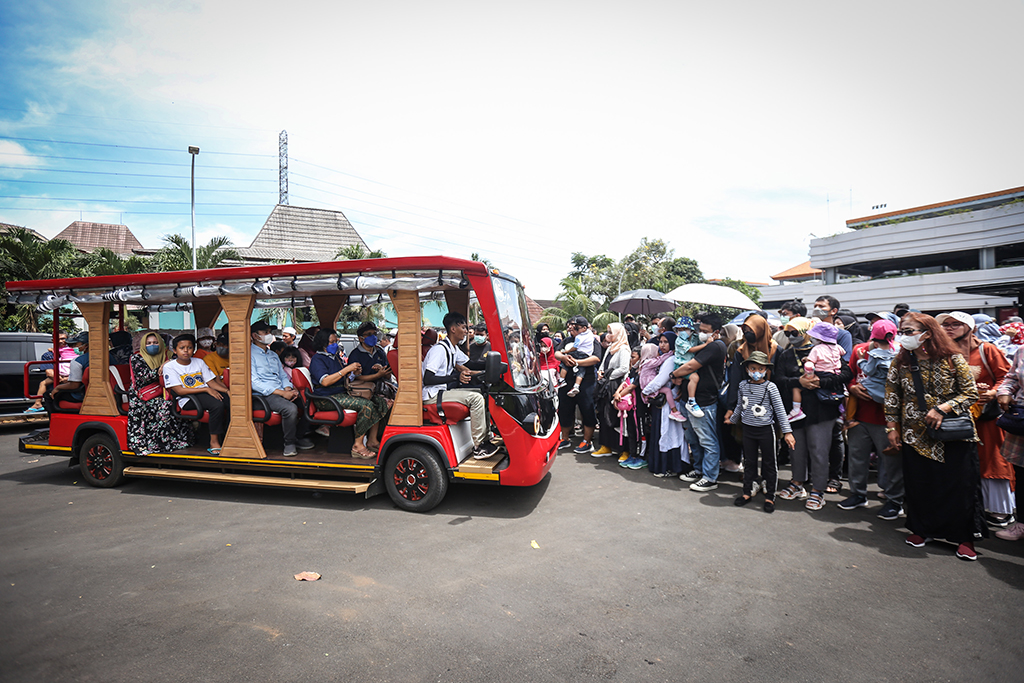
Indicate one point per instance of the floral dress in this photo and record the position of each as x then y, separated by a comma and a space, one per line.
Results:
151, 426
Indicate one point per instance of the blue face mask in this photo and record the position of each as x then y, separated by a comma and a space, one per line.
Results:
332, 348
756, 375
371, 340
479, 341
152, 349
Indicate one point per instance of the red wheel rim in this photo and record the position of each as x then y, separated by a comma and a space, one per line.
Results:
412, 481
99, 462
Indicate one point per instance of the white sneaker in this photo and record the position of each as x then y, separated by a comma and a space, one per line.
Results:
796, 414
703, 485
730, 466
694, 409
575, 390
677, 416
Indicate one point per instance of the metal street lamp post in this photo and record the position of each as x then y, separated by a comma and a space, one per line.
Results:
193, 151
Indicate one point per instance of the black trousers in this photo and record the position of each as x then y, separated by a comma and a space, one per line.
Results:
760, 441
219, 411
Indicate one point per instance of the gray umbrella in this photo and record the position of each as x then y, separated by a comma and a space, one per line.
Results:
642, 302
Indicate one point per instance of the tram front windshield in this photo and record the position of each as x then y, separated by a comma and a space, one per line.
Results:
515, 326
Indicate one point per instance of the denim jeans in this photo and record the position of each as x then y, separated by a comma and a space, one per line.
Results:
702, 436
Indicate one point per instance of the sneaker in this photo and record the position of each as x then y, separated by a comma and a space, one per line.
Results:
289, 450
485, 450
1014, 532
999, 521
966, 552
677, 416
583, 448
854, 502
890, 511
323, 430
734, 467
704, 484
624, 457
693, 408
639, 464
690, 477
564, 443
917, 541
793, 492
574, 391
796, 414
602, 451
756, 488
625, 463
305, 444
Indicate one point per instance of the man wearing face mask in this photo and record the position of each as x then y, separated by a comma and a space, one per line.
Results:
371, 358
270, 381
218, 360
478, 348
826, 308
204, 342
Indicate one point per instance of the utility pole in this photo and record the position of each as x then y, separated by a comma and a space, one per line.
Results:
282, 167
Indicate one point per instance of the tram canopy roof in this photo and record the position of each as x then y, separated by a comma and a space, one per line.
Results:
359, 279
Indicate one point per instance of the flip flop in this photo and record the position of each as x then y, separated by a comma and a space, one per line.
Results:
213, 451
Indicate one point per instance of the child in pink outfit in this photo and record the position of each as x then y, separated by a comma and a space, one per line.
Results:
825, 357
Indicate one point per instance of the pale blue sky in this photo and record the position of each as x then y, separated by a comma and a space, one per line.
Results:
523, 131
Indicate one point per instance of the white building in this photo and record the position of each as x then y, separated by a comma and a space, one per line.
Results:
966, 254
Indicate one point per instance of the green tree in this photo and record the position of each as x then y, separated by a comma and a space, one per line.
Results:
103, 261
176, 254
355, 252
572, 301
23, 256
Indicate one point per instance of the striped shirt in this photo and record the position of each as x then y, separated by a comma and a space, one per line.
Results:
759, 405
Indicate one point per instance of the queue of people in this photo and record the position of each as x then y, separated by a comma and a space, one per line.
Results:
828, 395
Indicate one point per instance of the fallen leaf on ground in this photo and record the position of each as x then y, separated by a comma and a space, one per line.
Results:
307, 576
534, 544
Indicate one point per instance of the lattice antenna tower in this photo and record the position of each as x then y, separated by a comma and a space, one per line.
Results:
282, 167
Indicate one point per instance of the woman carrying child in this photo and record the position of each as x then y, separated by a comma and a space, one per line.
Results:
627, 402
611, 372
759, 409
686, 347
666, 448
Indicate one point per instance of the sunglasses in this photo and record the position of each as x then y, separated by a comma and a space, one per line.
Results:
793, 334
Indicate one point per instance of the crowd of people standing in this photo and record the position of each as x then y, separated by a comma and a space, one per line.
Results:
933, 404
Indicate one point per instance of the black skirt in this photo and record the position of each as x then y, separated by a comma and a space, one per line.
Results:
943, 499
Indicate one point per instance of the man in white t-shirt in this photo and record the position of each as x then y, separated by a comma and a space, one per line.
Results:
191, 380
444, 367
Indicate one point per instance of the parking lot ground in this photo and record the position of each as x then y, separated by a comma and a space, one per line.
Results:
597, 573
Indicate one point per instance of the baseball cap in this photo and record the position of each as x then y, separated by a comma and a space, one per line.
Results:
579, 321
959, 316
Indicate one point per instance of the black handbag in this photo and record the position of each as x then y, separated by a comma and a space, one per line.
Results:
1012, 421
953, 428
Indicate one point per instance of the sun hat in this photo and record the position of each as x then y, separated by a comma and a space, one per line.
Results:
759, 357
684, 322
959, 316
825, 332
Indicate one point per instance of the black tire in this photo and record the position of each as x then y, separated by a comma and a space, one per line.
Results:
100, 461
415, 479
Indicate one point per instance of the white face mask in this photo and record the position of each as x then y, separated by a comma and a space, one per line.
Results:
910, 341
703, 336
268, 339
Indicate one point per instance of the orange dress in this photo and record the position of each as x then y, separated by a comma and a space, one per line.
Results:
993, 465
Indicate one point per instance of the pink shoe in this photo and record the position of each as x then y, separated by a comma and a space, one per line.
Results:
797, 414
1014, 532
677, 416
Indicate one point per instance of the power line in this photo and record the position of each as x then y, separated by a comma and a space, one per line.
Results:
106, 144
134, 175
135, 213
118, 201
127, 187
120, 161
113, 118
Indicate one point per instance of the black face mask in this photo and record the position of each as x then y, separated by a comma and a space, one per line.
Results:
749, 337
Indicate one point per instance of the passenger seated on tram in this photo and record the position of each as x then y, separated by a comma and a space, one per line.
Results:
205, 340
218, 360
291, 359
329, 380
373, 361
76, 370
65, 354
191, 381
121, 347
270, 381
151, 426
444, 369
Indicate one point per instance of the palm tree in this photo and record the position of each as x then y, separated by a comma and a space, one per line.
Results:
574, 301
177, 254
355, 252
103, 261
23, 256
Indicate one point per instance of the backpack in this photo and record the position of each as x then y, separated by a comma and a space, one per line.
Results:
876, 370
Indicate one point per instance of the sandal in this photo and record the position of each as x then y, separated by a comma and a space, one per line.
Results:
213, 451
363, 454
815, 501
793, 492
834, 486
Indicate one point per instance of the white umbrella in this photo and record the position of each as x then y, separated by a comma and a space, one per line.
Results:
711, 295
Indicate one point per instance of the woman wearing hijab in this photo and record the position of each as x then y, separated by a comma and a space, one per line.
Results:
613, 368
813, 434
151, 427
666, 449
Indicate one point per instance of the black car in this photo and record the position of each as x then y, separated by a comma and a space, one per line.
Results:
16, 349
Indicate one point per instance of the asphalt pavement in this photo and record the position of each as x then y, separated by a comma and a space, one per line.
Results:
596, 574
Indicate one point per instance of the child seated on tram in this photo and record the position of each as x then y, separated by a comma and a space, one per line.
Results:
190, 380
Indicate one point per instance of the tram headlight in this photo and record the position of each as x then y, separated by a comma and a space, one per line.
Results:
533, 420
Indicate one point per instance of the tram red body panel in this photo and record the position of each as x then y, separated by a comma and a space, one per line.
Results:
534, 455
64, 425
439, 433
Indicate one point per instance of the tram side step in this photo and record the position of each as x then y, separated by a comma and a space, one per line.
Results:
248, 479
487, 466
